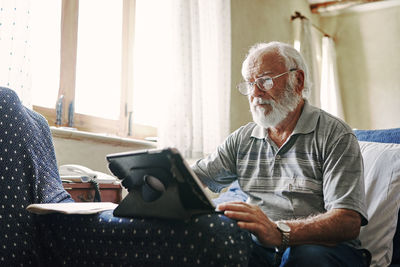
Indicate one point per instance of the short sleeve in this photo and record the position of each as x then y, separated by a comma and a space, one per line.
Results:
218, 170
343, 183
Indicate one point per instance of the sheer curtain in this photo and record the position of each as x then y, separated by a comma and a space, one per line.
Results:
330, 91
320, 55
195, 106
14, 48
307, 44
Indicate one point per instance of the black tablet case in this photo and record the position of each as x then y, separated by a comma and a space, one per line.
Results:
159, 183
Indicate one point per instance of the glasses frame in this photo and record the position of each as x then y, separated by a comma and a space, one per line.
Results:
249, 86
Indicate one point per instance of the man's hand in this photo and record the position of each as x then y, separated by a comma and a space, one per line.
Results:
253, 219
329, 228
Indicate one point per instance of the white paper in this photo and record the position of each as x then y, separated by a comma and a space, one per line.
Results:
71, 207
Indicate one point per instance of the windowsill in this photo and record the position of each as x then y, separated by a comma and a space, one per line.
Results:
71, 133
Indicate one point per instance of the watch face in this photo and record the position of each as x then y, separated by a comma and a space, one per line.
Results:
283, 227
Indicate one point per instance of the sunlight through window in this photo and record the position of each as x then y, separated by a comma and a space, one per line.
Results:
98, 71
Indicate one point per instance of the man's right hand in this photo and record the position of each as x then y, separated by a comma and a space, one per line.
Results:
253, 219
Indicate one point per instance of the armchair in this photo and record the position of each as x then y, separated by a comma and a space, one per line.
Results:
29, 174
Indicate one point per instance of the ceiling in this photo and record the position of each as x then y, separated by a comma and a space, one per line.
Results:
319, 6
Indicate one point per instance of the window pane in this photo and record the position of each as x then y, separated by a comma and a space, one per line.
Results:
45, 51
98, 72
151, 59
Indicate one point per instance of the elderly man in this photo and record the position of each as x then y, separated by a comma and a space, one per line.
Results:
300, 166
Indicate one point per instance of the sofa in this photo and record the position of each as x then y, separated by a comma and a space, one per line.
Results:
381, 155
29, 174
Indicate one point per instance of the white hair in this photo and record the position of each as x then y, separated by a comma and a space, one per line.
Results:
291, 57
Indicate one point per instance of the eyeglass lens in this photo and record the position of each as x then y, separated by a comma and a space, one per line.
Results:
264, 83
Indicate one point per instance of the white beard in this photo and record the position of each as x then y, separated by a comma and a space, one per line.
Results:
279, 109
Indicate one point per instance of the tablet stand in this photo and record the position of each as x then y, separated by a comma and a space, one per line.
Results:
162, 191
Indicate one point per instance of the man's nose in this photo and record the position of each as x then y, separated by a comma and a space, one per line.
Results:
257, 92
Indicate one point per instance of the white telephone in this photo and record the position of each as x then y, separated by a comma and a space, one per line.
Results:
78, 173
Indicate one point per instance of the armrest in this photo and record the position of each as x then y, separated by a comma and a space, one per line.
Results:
205, 240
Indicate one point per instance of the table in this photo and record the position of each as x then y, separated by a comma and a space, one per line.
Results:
84, 192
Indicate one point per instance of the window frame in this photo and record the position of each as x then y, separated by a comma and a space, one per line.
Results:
122, 127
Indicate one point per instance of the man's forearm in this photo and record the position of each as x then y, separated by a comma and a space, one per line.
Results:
330, 228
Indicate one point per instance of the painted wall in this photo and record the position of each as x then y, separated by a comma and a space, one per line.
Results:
253, 22
368, 60
91, 152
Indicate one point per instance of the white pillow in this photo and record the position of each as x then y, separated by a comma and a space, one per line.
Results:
382, 189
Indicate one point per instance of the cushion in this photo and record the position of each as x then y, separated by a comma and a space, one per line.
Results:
380, 136
105, 240
382, 185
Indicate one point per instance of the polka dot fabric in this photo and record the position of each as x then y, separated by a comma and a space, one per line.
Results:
105, 240
28, 174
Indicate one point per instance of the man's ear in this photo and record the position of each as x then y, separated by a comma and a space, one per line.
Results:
300, 81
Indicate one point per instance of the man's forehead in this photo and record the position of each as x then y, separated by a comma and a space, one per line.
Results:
262, 63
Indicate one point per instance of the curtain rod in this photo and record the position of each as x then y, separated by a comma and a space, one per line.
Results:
298, 15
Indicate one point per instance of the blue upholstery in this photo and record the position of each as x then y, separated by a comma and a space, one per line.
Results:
385, 136
29, 174
93, 240
380, 136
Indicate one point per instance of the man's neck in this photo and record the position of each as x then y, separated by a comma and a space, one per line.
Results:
281, 132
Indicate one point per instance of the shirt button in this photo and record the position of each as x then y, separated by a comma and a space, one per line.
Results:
278, 157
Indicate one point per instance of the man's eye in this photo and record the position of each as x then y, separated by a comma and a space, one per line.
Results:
265, 80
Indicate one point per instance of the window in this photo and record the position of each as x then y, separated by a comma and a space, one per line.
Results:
45, 52
150, 72
99, 52
82, 57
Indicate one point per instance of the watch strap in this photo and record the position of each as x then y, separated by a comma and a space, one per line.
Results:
285, 241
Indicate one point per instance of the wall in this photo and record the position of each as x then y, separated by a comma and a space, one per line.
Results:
367, 40
253, 22
90, 150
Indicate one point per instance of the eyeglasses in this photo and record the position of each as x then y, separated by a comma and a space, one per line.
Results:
263, 83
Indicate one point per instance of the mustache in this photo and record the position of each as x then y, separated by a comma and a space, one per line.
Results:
260, 101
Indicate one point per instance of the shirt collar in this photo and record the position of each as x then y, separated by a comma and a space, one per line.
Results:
308, 119
306, 123
259, 132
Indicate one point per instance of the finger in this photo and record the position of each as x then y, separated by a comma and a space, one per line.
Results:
233, 206
253, 227
240, 216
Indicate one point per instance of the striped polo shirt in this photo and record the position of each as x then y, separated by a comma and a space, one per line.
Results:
318, 168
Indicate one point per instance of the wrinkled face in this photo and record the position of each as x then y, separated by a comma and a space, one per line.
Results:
271, 107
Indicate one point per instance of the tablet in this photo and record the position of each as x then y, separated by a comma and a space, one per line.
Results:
160, 183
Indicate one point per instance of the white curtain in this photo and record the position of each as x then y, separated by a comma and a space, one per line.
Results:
195, 117
320, 56
330, 91
307, 44
14, 48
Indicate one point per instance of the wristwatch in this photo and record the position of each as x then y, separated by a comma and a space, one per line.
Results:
285, 230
